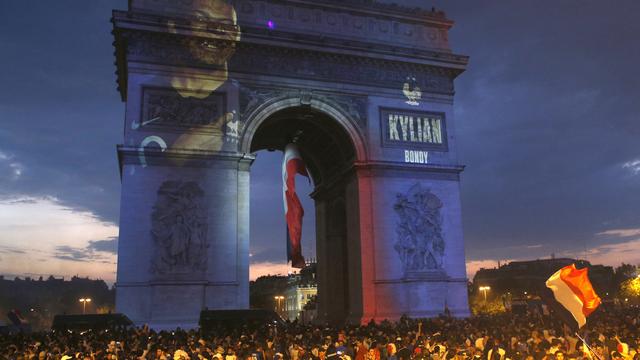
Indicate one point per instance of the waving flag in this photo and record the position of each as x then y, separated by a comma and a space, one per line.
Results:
573, 291
292, 165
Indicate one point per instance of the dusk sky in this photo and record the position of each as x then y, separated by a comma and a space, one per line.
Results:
547, 116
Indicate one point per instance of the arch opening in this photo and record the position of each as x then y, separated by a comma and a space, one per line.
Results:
329, 152
325, 146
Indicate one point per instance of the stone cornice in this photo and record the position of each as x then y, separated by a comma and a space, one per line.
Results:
363, 20
318, 42
367, 169
182, 157
168, 40
381, 9
443, 171
163, 23
335, 67
148, 22
341, 68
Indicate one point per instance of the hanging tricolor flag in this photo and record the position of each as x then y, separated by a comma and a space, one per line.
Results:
292, 165
573, 291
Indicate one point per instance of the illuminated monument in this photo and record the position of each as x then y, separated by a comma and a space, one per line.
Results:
367, 88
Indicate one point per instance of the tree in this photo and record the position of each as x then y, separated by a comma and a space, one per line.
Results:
630, 289
493, 305
623, 273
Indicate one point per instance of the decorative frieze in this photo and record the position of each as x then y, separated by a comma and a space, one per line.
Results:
287, 62
339, 68
387, 23
352, 106
178, 50
166, 107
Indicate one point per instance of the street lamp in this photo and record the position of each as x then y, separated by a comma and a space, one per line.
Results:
84, 302
484, 290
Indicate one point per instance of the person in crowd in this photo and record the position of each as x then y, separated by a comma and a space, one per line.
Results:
612, 334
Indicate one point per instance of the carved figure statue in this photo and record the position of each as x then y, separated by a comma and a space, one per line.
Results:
179, 229
179, 241
420, 243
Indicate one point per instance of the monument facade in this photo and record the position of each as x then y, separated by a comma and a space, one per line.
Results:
367, 89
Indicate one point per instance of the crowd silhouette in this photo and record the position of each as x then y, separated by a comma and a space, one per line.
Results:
613, 334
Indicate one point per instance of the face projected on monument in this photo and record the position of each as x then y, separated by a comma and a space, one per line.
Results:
211, 135
213, 52
193, 102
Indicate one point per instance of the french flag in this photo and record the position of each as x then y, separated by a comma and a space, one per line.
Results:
292, 165
573, 291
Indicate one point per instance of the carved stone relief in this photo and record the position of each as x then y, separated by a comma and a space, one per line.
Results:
420, 243
353, 106
293, 63
340, 21
179, 229
179, 50
252, 98
339, 69
168, 107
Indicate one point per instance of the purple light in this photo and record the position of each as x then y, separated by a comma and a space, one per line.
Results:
271, 24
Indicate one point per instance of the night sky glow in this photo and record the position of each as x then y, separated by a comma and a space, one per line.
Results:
547, 118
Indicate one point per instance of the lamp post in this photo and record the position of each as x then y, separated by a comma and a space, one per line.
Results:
84, 302
484, 290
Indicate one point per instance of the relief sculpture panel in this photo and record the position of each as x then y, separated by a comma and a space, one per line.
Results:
179, 229
352, 106
168, 107
420, 242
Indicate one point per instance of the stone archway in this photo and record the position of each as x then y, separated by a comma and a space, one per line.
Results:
305, 100
331, 154
207, 82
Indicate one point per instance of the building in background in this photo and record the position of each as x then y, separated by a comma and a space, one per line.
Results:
302, 288
523, 279
265, 292
37, 301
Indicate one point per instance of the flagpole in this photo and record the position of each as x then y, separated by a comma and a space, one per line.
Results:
587, 345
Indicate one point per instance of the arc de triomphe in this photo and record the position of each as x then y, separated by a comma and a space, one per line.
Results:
367, 88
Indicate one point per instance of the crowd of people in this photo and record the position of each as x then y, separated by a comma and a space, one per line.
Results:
612, 334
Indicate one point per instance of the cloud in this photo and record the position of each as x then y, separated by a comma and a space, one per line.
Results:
268, 268
611, 254
474, 265
21, 201
94, 251
633, 166
71, 254
41, 236
623, 233
108, 246
616, 254
10, 169
11, 250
